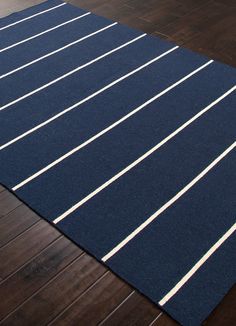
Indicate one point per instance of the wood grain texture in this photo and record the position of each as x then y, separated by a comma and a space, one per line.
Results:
1, 188
30, 277
68, 285
96, 303
225, 313
164, 320
46, 279
8, 203
18, 252
205, 26
134, 310
16, 222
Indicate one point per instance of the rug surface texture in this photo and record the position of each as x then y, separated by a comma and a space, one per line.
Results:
126, 143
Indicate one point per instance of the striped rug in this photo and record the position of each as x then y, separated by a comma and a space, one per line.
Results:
126, 143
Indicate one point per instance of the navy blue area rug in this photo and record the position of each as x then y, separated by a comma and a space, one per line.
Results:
126, 143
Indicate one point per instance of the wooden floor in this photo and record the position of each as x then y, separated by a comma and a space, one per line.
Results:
46, 279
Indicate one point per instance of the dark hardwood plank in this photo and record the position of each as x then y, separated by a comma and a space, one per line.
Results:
96, 303
26, 281
225, 313
58, 294
16, 222
26, 246
164, 320
168, 11
93, 4
219, 42
1, 188
211, 30
135, 310
208, 27
8, 202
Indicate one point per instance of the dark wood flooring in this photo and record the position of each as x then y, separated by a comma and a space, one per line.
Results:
47, 280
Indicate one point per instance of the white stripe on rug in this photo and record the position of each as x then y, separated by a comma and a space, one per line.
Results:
85, 99
42, 33
167, 205
195, 268
70, 72
90, 140
32, 16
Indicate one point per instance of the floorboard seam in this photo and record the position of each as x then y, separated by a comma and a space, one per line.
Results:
76, 299
31, 259
20, 234
44, 286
